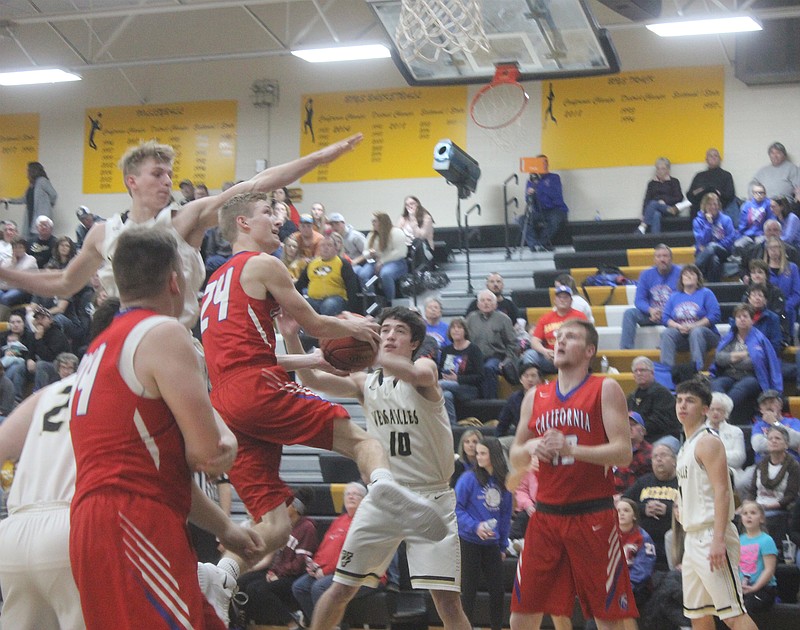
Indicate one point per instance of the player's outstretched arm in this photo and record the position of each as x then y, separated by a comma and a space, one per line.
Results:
209, 516
63, 282
165, 352
14, 429
617, 451
710, 454
199, 215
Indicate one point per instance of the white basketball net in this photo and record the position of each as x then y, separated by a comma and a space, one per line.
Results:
428, 28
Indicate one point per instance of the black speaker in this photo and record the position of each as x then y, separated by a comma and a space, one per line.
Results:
635, 10
769, 56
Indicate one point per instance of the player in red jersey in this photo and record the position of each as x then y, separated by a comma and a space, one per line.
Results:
138, 432
578, 430
264, 408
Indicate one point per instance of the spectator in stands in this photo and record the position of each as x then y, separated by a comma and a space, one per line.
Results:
543, 336
460, 368
200, 191
780, 177
354, 241
656, 405
417, 225
784, 275
280, 213
770, 406
714, 235
639, 550
10, 232
525, 505
21, 261
282, 195
64, 251
70, 314
790, 224
758, 559
291, 257
662, 196
732, 437
655, 493
330, 282
690, 316
385, 255
308, 588
39, 199
48, 373
483, 511
655, 286
544, 197
43, 246
776, 483
321, 224
496, 284
269, 589
85, 222
8, 398
626, 476
465, 454
745, 365
216, 250
308, 239
187, 190
772, 229
754, 213
529, 376
775, 300
716, 180
48, 342
434, 325
492, 332
579, 303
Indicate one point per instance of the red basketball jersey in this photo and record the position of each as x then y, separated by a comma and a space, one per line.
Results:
122, 439
237, 330
578, 415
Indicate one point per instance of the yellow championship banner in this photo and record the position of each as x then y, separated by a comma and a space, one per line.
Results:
203, 135
631, 118
19, 144
401, 126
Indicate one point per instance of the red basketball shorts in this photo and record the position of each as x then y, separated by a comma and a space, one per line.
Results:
264, 413
565, 556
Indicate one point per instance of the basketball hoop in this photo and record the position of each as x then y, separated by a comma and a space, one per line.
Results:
427, 28
500, 103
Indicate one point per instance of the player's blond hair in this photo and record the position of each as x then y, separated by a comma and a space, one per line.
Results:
132, 159
237, 206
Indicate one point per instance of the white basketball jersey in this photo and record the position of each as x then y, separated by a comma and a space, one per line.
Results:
46, 469
415, 431
696, 491
193, 267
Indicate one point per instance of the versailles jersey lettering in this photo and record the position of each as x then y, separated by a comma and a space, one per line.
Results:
415, 430
579, 416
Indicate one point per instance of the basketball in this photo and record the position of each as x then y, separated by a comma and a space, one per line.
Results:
348, 353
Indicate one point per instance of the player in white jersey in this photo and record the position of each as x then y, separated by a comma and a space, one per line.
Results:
147, 172
35, 576
405, 411
710, 568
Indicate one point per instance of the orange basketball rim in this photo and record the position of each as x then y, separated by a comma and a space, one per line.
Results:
501, 102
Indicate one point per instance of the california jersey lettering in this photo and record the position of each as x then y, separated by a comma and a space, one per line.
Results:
579, 416
125, 439
237, 330
414, 430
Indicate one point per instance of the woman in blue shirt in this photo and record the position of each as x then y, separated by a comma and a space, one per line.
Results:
714, 235
690, 315
483, 510
784, 275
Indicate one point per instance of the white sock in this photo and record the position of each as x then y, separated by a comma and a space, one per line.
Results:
381, 474
230, 566
642, 228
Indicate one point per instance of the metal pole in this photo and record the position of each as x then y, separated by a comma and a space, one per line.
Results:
507, 202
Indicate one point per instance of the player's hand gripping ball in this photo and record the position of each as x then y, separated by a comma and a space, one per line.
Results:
348, 353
